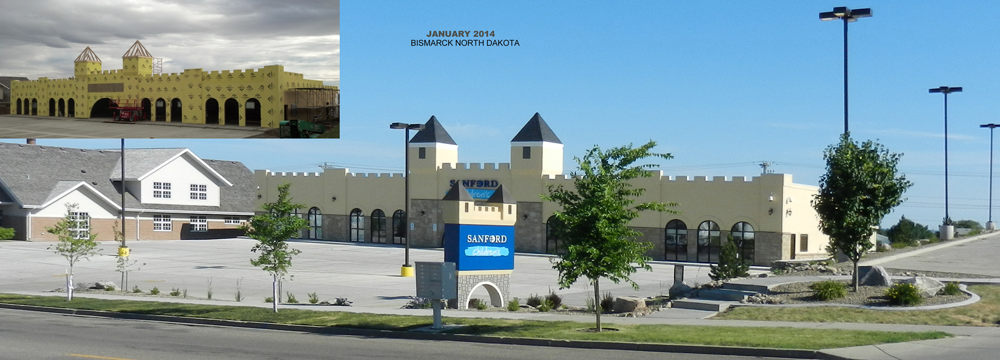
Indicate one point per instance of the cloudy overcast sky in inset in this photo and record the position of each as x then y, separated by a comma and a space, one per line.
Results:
41, 38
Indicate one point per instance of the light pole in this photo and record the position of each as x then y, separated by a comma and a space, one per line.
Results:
848, 16
989, 224
947, 230
407, 269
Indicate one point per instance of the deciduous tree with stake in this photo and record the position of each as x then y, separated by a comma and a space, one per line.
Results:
272, 231
595, 217
76, 242
860, 187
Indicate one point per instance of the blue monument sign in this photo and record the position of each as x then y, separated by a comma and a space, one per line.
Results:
479, 247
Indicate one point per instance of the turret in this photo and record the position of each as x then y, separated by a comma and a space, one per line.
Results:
432, 147
137, 61
536, 149
86, 63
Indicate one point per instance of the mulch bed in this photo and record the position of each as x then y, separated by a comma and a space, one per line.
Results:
800, 293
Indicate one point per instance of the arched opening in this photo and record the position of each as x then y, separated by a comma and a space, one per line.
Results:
147, 109
253, 112
161, 110
357, 226
52, 107
496, 297
709, 242
71, 108
399, 227
675, 238
176, 110
315, 223
34, 106
102, 109
744, 237
212, 111
232, 112
18, 106
378, 226
552, 227
62, 107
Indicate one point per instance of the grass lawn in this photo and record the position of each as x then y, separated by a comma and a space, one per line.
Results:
786, 338
986, 312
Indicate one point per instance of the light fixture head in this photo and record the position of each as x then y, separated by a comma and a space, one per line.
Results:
398, 125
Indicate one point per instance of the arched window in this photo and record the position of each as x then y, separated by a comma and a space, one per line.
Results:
315, 223
19, 106
399, 227
676, 242
378, 226
551, 238
357, 226
743, 236
709, 242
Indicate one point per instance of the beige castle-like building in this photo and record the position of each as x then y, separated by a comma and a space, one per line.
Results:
252, 97
770, 212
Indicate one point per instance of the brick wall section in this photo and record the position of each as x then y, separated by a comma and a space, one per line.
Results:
336, 227
104, 228
423, 234
467, 282
529, 234
655, 237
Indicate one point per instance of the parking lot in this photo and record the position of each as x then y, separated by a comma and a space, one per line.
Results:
45, 127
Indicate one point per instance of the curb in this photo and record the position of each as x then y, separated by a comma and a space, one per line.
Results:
604, 345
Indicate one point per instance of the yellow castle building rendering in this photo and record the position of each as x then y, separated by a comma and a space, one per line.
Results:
252, 97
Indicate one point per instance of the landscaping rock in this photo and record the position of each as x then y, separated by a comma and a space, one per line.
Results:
885, 247
764, 275
876, 276
679, 290
103, 285
628, 304
927, 286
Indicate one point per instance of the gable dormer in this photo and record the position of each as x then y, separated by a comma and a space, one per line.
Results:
170, 177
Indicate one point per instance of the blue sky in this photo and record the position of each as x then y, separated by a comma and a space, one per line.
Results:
720, 85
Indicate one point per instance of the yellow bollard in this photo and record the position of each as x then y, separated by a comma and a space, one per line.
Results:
407, 271
123, 251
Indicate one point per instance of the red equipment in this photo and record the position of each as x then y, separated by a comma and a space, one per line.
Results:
127, 110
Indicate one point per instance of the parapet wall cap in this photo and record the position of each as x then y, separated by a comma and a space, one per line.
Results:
87, 56
137, 50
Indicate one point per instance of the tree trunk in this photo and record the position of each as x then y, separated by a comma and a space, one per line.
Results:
69, 285
274, 292
857, 281
597, 302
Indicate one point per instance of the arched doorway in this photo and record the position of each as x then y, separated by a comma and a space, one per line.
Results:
378, 226
71, 108
102, 109
62, 107
161, 110
744, 237
34, 106
52, 107
253, 112
232, 112
212, 111
709, 242
675, 241
176, 110
551, 235
357, 226
18, 106
399, 227
315, 223
147, 109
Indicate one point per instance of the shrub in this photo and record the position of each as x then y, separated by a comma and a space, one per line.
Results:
175, 292
545, 306
828, 290
136, 290
154, 291
904, 294
590, 305
475, 303
109, 288
607, 302
290, 298
269, 299
730, 264
184, 293
534, 300
951, 289
6, 233
554, 300
514, 304
313, 298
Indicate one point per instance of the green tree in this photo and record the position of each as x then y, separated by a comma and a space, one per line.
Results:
595, 218
730, 264
272, 231
860, 187
975, 226
907, 232
76, 242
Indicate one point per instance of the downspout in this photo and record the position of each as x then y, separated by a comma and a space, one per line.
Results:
27, 237
137, 223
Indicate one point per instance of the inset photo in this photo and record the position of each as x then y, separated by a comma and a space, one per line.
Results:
252, 69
